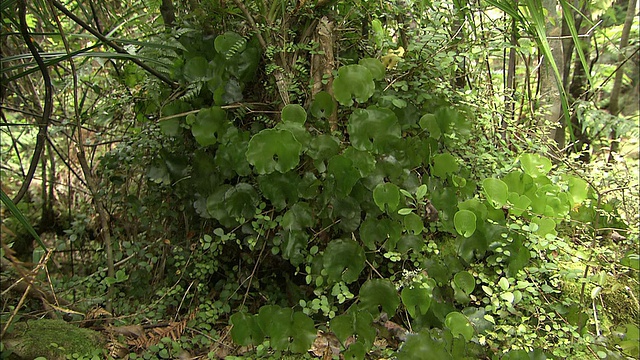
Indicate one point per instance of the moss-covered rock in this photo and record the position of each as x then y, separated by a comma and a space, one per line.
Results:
52, 339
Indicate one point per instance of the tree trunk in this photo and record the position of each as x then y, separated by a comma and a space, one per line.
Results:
614, 102
550, 99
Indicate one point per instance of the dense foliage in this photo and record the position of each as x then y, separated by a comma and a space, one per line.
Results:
321, 179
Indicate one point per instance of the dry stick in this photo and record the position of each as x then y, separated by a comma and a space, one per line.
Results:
90, 179
111, 44
41, 265
48, 102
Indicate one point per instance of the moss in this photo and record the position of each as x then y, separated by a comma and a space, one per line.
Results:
52, 339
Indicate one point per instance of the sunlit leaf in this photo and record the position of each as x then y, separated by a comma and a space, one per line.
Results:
535, 165
496, 191
444, 164
465, 222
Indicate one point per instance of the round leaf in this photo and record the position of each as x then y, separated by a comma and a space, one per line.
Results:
444, 164
373, 128
417, 300
496, 191
465, 281
353, 81
535, 165
229, 44
379, 292
343, 260
459, 325
209, 123
375, 66
465, 222
322, 106
413, 223
294, 113
387, 194
273, 150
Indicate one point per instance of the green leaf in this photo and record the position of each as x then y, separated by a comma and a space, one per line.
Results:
343, 260
362, 160
241, 201
379, 292
520, 203
465, 222
444, 164
428, 122
294, 113
298, 217
375, 67
229, 44
578, 190
354, 322
353, 81
496, 191
245, 330
322, 106
535, 165
504, 283
273, 150
209, 124
413, 223
373, 129
631, 260
21, 219
196, 69
293, 245
345, 175
303, 333
323, 147
418, 345
387, 194
417, 299
465, 281
280, 188
374, 232
546, 226
459, 325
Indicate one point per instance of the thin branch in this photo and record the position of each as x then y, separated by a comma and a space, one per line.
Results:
43, 123
111, 44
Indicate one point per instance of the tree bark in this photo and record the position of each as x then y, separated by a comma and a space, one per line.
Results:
614, 102
549, 92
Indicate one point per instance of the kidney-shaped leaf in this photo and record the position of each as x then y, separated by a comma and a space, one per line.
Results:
241, 201
273, 150
345, 175
417, 300
245, 330
535, 165
379, 292
420, 344
444, 164
373, 128
459, 325
353, 81
322, 106
465, 222
496, 191
343, 260
375, 66
208, 125
387, 194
